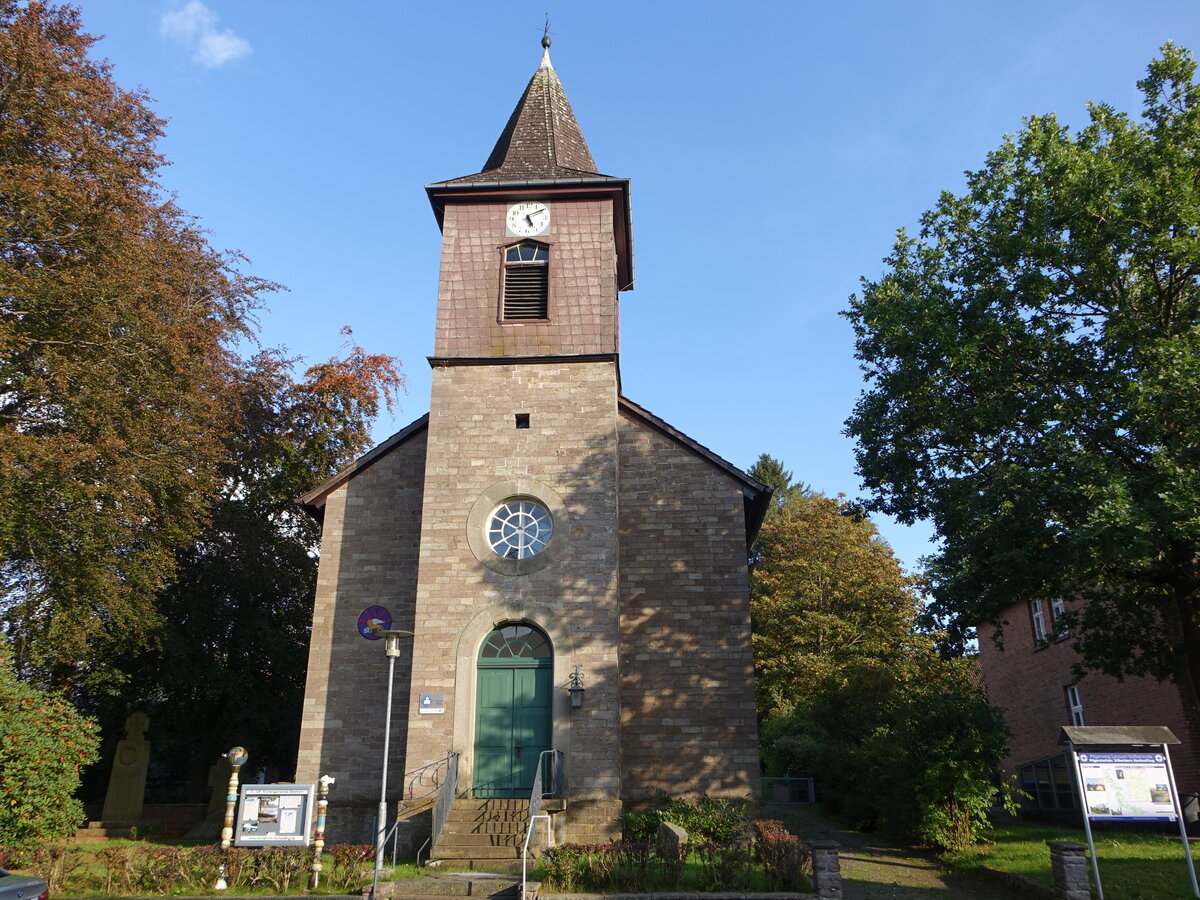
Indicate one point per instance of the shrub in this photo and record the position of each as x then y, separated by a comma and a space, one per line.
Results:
631, 866
781, 855
53, 862
277, 867
940, 788
710, 819
349, 860
44, 743
565, 866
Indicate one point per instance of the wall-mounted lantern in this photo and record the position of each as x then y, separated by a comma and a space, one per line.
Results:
575, 689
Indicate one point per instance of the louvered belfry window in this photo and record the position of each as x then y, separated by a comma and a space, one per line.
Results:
526, 281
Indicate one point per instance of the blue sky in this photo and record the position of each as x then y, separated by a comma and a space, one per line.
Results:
774, 150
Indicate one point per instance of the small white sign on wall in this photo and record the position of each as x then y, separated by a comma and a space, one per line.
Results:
432, 704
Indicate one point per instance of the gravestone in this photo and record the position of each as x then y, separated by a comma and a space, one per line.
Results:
218, 779
672, 841
127, 783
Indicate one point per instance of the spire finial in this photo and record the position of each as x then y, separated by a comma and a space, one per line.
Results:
546, 44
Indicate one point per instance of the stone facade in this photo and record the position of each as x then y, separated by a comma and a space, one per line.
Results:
687, 673
643, 587
370, 537
583, 290
569, 453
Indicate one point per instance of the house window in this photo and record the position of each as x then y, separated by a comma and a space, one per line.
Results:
526, 282
1037, 613
1058, 609
1075, 704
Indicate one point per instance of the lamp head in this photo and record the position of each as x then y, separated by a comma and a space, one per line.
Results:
391, 641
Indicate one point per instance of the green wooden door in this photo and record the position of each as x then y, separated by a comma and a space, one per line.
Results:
512, 711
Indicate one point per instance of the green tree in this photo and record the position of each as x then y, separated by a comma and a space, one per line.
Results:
850, 688
826, 593
44, 743
228, 665
117, 383
1033, 364
784, 489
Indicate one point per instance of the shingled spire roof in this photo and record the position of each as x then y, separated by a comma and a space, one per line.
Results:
542, 140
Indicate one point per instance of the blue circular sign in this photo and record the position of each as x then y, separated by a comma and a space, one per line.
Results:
373, 622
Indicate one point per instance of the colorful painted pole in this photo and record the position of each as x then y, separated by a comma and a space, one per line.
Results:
319, 840
237, 758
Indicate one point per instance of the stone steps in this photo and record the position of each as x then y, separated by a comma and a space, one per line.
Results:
482, 834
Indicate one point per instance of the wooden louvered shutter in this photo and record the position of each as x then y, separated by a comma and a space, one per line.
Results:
526, 282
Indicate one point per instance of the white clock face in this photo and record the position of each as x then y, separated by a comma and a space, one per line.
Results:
528, 218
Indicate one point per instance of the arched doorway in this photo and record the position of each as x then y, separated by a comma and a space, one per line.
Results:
512, 710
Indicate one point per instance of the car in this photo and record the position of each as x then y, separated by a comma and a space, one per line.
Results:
22, 887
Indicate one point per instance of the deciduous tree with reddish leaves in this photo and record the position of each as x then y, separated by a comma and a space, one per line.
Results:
117, 375
148, 470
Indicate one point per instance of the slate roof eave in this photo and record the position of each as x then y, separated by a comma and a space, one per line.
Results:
468, 182
313, 501
757, 495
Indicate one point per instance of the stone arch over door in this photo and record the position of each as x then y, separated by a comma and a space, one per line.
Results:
466, 652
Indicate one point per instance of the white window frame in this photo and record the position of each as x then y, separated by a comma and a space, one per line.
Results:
1037, 615
1058, 609
1075, 705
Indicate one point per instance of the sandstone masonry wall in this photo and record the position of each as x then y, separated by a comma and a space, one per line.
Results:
569, 450
687, 670
368, 558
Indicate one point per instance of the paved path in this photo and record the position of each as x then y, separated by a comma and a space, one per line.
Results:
874, 868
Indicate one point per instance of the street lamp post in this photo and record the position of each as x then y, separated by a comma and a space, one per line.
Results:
391, 648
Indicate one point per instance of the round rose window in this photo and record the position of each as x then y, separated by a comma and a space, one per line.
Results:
519, 529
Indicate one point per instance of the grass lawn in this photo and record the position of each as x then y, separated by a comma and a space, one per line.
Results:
1133, 865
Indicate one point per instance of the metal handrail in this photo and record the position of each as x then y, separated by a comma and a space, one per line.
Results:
539, 793
525, 849
394, 834
445, 800
428, 775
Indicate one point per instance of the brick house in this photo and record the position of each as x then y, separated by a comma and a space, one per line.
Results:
534, 525
1032, 680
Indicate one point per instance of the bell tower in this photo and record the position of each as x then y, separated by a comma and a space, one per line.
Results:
519, 539
535, 247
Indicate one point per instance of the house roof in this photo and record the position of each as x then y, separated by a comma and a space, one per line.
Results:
756, 495
542, 139
1101, 735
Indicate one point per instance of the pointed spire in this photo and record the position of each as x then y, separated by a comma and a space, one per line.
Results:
542, 138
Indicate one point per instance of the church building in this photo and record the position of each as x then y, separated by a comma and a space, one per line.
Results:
572, 568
